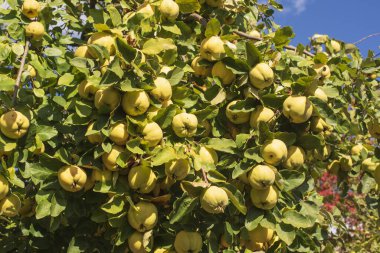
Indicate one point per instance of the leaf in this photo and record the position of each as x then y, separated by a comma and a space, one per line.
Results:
115, 15
212, 28
58, 204
181, 208
127, 52
46, 132
164, 117
288, 138
286, 233
66, 80
114, 205
163, 156
188, 6
297, 220
247, 105
292, 179
220, 144
157, 45
134, 146
253, 154
282, 36
53, 52
235, 196
6, 83
253, 218
253, 54
264, 133
43, 209
38, 172
238, 66
309, 141
175, 76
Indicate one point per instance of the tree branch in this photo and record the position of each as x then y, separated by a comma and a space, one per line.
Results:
204, 176
367, 37
293, 48
203, 22
20, 70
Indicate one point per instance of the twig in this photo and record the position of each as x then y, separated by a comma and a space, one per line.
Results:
199, 18
20, 70
203, 22
204, 176
293, 48
367, 37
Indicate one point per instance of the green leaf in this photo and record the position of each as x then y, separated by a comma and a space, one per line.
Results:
38, 172
288, 138
114, 205
43, 209
163, 156
46, 132
292, 179
134, 146
6, 83
222, 144
182, 207
53, 52
164, 117
212, 28
127, 52
188, 6
309, 141
66, 80
286, 233
253, 54
115, 15
297, 220
157, 45
282, 36
235, 196
253, 218
253, 154
264, 133
58, 204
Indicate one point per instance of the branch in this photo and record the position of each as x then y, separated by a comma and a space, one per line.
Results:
203, 22
367, 37
204, 176
293, 48
20, 70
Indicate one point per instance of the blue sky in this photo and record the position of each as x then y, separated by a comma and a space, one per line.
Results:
346, 20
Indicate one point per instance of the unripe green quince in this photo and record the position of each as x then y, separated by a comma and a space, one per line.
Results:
236, 117
261, 114
185, 124
295, 159
261, 76
221, 71
297, 109
169, 10
186, 242
177, 169
142, 179
72, 178
163, 89
274, 152
212, 48
264, 199
135, 103
262, 176
143, 217
14, 124
214, 200
119, 133
10, 206
152, 134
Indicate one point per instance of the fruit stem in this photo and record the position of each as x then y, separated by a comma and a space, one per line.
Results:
20, 70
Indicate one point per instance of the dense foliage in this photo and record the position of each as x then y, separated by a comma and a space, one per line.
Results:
186, 126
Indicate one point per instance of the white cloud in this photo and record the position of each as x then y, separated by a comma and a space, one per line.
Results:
296, 6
